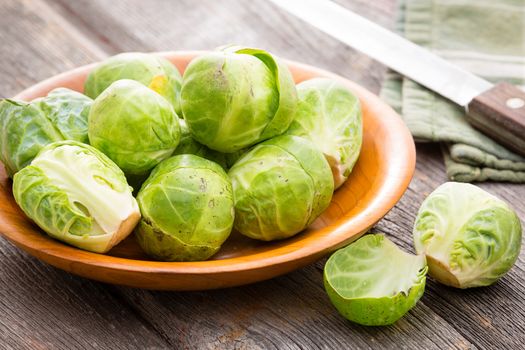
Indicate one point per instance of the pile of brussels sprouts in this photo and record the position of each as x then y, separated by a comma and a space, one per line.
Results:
234, 143
464, 237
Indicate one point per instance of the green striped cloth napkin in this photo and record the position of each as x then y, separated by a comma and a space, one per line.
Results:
486, 37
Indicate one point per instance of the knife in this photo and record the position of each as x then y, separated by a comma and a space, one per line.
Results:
496, 110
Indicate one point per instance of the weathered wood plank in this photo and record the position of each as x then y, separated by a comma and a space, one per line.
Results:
138, 25
290, 312
45, 308
36, 44
42, 307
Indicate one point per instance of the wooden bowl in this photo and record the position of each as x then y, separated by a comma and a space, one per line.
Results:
379, 179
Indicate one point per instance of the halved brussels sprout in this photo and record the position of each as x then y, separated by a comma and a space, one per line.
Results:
77, 195
372, 282
236, 97
150, 70
470, 237
187, 208
27, 127
134, 126
280, 187
329, 115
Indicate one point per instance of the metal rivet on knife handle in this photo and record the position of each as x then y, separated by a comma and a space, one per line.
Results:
500, 113
515, 102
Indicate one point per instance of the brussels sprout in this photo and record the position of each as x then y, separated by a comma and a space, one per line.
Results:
372, 282
187, 208
27, 127
134, 126
329, 115
68, 111
236, 97
153, 71
77, 195
280, 187
470, 237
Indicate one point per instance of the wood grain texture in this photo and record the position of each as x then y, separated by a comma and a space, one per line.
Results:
164, 25
38, 43
289, 312
43, 308
500, 113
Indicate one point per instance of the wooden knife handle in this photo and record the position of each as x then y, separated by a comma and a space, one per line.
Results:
500, 113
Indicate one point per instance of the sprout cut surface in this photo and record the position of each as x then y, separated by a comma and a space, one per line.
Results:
373, 282
77, 195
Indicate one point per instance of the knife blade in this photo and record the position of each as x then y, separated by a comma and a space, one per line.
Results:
497, 110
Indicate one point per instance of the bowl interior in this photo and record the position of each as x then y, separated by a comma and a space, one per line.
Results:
379, 178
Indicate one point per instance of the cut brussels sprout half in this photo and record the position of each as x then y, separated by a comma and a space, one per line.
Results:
77, 195
372, 282
27, 127
470, 237
280, 187
187, 208
153, 71
329, 115
236, 97
134, 126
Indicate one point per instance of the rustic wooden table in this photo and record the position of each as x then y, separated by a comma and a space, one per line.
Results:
42, 307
